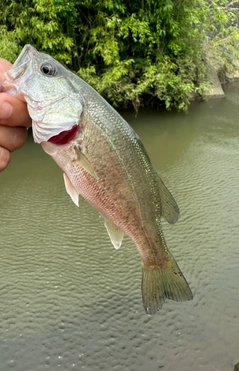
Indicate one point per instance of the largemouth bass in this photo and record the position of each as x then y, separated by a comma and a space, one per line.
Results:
104, 161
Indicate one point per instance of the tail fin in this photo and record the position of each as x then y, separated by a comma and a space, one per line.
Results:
159, 283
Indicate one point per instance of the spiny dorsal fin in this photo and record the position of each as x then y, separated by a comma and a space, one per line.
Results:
170, 210
70, 189
115, 234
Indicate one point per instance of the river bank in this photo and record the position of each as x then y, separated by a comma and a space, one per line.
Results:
72, 302
218, 79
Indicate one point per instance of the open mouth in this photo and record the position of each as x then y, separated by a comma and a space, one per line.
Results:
65, 136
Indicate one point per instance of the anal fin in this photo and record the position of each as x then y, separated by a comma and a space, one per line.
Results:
115, 234
70, 189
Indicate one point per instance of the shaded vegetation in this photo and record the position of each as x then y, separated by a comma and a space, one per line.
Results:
133, 52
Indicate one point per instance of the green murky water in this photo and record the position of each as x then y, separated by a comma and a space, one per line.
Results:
69, 301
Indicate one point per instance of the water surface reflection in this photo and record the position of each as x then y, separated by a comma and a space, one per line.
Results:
70, 301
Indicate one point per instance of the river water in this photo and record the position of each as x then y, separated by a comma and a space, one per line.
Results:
70, 301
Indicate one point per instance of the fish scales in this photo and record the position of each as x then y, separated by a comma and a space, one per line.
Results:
111, 195
106, 163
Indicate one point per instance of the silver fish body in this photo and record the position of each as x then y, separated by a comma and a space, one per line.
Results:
104, 161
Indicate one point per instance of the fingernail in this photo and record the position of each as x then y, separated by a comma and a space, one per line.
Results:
5, 110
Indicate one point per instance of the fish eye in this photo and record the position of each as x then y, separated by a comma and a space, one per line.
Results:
48, 69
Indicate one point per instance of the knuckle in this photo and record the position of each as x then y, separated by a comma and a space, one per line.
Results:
18, 138
5, 158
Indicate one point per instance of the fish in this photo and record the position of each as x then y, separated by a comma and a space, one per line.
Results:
104, 161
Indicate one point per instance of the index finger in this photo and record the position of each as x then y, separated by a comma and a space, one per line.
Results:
19, 115
4, 67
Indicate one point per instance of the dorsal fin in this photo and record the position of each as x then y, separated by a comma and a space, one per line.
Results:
170, 210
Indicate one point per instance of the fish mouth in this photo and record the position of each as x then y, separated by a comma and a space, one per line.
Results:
20, 70
65, 136
20, 65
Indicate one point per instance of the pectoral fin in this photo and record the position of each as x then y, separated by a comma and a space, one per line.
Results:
116, 235
70, 189
85, 163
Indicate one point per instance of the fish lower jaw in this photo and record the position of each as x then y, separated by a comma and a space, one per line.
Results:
11, 89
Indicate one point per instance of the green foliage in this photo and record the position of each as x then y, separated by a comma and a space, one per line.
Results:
133, 52
49, 25
8, 44
222, 46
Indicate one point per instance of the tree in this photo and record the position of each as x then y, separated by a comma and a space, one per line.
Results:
133, 52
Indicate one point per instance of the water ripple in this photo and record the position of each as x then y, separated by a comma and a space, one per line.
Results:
69, 300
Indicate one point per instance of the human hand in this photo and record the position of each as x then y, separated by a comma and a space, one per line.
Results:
14, 119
